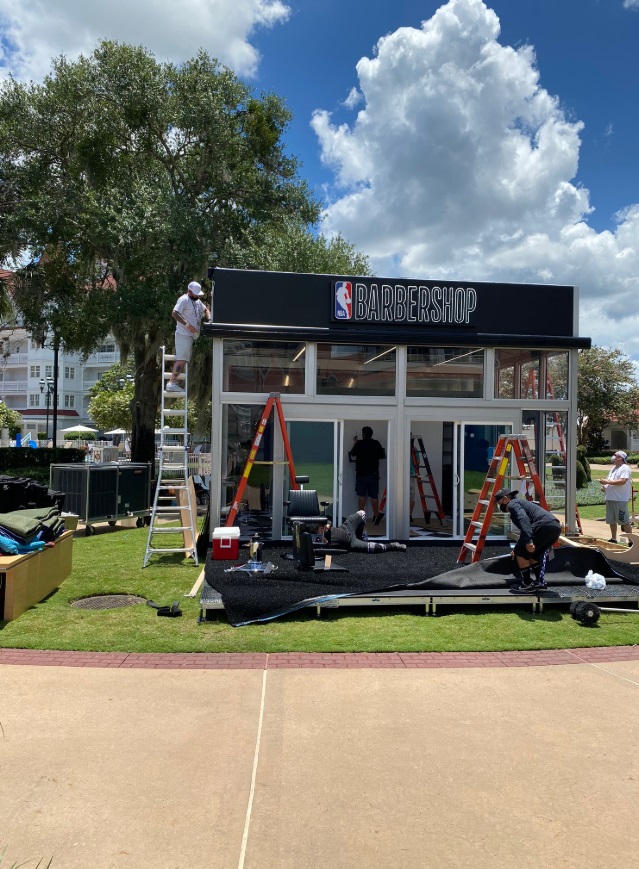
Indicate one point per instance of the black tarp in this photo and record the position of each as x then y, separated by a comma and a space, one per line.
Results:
249, 599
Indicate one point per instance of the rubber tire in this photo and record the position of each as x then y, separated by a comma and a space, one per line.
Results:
89, 531
139, 522
112, 523
588, 614
573, 608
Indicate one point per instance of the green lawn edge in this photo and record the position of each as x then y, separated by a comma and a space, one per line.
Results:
110, 562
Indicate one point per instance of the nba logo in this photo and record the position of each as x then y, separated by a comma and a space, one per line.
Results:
343, 300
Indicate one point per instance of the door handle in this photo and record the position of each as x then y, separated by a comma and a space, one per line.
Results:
457, 479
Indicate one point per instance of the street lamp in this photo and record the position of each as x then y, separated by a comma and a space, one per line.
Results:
50, 388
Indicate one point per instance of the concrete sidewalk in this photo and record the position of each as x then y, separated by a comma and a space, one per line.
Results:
199, 769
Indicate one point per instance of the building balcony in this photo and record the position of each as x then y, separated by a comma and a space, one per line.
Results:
13, 386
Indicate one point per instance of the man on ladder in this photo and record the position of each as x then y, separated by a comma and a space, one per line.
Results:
539, 530
187, 313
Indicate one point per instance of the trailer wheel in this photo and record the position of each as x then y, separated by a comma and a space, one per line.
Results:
573, 608
89, 531
139, 522
588, 614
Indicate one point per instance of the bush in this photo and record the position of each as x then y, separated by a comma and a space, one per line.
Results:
26, 459
80, 436
582, 476
582, 457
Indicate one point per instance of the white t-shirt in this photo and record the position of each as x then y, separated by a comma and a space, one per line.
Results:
619, 493
192, 310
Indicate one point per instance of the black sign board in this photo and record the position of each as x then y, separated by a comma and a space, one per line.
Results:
406, 303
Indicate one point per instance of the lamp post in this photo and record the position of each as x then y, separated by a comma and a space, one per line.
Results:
50, 388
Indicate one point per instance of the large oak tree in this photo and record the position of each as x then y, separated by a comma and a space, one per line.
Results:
123, 178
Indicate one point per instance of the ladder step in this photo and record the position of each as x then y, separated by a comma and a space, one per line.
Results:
470, 546
481, 501
173, 530
170, 549
166, 431
477, 524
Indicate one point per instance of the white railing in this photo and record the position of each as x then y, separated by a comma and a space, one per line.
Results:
19, 358
13, 386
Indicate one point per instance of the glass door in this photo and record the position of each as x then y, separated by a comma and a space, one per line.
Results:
314, 449
476, 443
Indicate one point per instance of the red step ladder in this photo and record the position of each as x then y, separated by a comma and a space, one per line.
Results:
273, 401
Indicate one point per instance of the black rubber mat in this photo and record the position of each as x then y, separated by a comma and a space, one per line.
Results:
249, 599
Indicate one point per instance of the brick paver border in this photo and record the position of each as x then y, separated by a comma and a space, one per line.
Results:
316, 660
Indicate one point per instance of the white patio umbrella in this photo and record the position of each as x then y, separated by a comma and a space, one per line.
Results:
79, 428
116, 431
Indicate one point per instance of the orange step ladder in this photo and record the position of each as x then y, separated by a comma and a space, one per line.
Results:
273, 401
512, 450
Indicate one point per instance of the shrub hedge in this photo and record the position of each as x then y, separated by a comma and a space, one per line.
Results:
27, 457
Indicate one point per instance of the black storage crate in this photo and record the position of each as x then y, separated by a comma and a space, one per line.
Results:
104, 492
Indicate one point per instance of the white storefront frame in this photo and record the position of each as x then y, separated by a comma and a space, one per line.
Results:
397, 412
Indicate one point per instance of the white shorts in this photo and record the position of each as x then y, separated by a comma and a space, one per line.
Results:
183, 347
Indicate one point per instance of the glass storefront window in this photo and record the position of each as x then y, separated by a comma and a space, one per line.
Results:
264, 366
557, 375
450, 372
519, 373
344, 369
239, 424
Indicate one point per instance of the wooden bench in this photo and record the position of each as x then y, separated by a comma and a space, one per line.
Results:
27, 579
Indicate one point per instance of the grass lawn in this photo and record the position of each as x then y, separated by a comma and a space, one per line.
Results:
110, 563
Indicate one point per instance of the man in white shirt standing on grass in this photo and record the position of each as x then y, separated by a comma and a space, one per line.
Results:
187, 313
617, 487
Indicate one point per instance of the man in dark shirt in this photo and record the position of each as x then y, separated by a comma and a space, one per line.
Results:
539, 530
367, 453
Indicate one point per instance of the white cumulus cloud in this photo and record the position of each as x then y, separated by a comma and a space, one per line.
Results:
459, 164
33, 32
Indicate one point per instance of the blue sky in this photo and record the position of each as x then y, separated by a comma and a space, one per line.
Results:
467, 139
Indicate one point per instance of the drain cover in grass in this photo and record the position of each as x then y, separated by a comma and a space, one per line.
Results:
107, 601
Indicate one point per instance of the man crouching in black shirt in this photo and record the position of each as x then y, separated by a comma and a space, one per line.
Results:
539, 531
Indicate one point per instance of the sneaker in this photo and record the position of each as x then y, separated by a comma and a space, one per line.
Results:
612, 540
174, 387
397, 547
529, 587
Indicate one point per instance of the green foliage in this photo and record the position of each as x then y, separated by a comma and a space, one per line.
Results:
582, 476
79, 436
18, 460
607, 391
10, 419
150, 171
111, 408
583, 458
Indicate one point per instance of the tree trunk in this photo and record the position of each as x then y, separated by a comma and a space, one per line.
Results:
145, 403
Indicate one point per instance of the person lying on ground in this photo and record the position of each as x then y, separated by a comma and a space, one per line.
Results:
539, 530
350, 535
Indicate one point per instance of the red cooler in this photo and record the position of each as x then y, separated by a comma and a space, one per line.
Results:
226, 544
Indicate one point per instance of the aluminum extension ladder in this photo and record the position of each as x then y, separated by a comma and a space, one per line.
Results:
173, 471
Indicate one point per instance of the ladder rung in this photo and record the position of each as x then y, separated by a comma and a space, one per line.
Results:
470, 546
173, 530
484, 502
166, 431
477, 524
170, 549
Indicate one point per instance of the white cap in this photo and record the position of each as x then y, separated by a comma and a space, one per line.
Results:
195, 288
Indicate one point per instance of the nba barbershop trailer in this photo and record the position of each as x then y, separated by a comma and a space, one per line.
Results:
438, 369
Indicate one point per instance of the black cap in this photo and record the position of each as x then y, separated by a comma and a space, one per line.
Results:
505, 493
